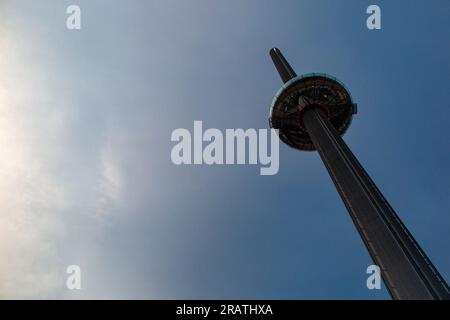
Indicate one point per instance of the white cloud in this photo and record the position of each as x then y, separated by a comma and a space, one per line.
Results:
36, 198
29, 197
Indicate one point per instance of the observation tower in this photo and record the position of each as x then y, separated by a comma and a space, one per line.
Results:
312, 112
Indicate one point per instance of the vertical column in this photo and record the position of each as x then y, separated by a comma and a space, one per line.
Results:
406, 271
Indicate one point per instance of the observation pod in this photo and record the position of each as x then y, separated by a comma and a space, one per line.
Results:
301, 93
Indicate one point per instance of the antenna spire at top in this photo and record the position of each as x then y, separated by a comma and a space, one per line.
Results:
284, 69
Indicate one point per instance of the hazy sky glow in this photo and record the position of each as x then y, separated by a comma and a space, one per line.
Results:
85, 124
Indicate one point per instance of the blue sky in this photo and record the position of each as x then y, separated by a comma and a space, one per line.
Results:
85, 124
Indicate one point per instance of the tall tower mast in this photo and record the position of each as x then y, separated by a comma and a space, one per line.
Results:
311, 112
